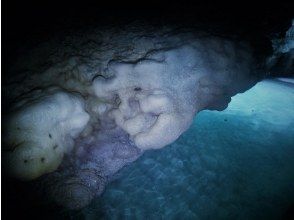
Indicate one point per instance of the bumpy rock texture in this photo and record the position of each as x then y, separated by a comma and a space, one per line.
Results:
100, 98
40, 130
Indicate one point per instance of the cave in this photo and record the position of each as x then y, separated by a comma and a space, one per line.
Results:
157, 110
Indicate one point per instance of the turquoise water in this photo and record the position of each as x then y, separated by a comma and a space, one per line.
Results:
235, 164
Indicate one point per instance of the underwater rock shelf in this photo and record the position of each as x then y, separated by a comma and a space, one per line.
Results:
85, 104
234, 164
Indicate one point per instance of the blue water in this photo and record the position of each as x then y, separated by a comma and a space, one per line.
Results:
235, 164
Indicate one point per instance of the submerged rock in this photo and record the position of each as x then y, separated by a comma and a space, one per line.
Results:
138, 88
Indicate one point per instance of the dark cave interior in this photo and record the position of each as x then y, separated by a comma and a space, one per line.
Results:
27, 23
